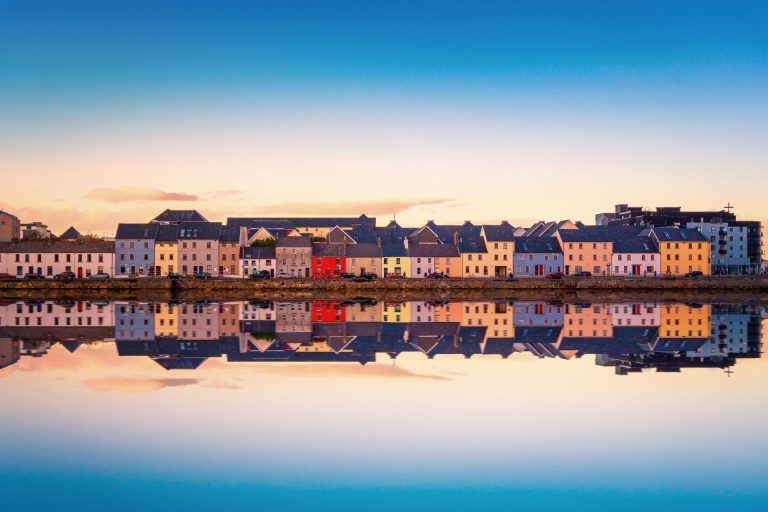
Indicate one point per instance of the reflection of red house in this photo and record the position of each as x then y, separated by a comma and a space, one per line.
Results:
328, 311
328, 260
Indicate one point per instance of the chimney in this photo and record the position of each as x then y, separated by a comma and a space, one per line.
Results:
456, 239
405, 242
378, 242
467, 222
505, 223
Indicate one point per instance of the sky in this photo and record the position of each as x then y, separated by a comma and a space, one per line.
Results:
451, 111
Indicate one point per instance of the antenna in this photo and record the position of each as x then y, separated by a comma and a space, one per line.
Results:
729, 207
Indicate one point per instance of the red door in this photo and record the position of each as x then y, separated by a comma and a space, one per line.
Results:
79, 272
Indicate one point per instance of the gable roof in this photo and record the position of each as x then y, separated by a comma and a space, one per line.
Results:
168, 233
547, 245
70, 234
503, 232
229, 234
675, 234
199, 230
137, 231
315, 222
61, 246
635, 245
598, 233
433, 250
294, 241
174, 216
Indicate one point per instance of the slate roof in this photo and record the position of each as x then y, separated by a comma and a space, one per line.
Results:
318, 222
503, 232
71, 234
199, 230
598, 233
168, 233
257, 253
528, 245
259, 223
433, 250
635, 245
294, 241
229, 234
174, 216
393, 250
364, 250
324, 250
675, 234
137, 231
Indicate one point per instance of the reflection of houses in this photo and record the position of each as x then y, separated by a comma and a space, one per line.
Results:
635, 314
538, 313
587, 320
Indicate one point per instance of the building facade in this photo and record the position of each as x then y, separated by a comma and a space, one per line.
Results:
48, 258
135, 250
10, 227
294, 256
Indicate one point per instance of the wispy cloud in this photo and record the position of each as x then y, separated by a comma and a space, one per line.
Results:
131, 385
347, 208
223, 194
132, 194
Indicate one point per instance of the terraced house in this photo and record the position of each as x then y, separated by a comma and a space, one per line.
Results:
682, 250
83, 257
199, 247
135, 250
500, 244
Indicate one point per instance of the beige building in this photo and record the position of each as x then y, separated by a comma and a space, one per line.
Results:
294, 255
10, 227
199, 247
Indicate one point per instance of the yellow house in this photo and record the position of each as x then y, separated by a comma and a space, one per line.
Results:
683, 321
395, 260
682, 250
364, 312
397, 312
167, 249
500, 244
166, 319
497, 317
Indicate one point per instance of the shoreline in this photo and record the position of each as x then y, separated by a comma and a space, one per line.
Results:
741, 288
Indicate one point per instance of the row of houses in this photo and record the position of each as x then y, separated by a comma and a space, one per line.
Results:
184, 242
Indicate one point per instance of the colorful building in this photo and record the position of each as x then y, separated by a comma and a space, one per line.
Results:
135, 249
537, 257
254, 259
635, 256
10, 227
231, 239
682, 250
500, 244
167, 249
199, 247
329, 261
84, 257
294, 256
586, 249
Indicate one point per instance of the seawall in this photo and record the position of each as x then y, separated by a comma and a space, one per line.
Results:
746, 286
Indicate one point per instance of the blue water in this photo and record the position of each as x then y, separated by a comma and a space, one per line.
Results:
280, 414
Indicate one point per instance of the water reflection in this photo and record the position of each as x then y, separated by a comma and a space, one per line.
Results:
630, 337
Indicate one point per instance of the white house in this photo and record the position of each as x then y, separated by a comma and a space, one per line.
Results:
635, 257
84, 257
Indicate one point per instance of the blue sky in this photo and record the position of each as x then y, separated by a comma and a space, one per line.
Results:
674, 90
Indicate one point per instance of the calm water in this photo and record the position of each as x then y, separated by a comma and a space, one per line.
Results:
378, 405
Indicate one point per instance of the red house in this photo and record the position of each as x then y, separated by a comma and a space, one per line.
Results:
328, 260
328, 311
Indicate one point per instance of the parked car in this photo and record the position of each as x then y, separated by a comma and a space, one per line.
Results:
347, 275
65, 276
260, 274
395, 276
583, 273
436, 275
202, 275
99, 275
695, 273
7, 276
33, 275
366, 276
555, 275
283, 275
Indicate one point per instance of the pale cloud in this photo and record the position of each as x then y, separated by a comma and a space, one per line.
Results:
133, 385
347, 207
131, 194
224, 194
